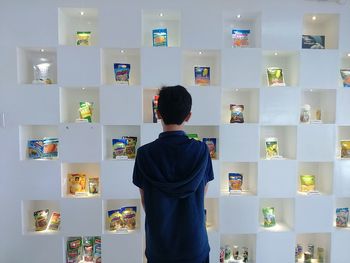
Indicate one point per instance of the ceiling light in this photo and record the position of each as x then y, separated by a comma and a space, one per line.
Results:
238, 16
314, 18
348, 54
161, 14
82, 13
276, 53
42, 50
200, 52
122, 51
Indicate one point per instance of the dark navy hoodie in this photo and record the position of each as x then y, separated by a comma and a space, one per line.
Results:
173, 171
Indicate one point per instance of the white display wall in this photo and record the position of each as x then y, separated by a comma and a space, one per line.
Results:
199, 34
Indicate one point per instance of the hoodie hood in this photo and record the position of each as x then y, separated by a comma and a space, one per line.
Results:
176, 165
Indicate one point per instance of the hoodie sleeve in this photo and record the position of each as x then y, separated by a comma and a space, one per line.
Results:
137, 177
209, 174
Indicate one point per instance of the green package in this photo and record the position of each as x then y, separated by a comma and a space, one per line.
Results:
269, 216
85, 110
193, 136
307, 183
275, 77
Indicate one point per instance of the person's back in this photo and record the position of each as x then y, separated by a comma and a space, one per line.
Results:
173, 172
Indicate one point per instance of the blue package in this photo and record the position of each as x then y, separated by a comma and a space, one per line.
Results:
313, 42
35, 149
160, 37
122, 73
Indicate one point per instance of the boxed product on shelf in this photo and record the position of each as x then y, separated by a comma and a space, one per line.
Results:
77, 184
130, 147
240, 37
202, 76
275, 77
269, 216
211, 143
235, 182
305, 114
345, 75
237, 113
85, 111
54, 222
42, 222
122, 219
124, 148
307, 183
160, 37
345, 148
271, 147
46, 148
313, 42
122, 73
83, 38
42, 69
94, 185
83, 249
342, 217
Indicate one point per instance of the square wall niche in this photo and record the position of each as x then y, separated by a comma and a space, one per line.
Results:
37, 65
249, 98
322, 25
110, 56
288, 61
90, 170
212, 207
249, 172
160, 19
244, 21
201, 58
70, 103
73, 20
323, 173
320, 100
317, 240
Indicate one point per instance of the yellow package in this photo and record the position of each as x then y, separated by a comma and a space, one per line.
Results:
76, 183
345, 149
83, 38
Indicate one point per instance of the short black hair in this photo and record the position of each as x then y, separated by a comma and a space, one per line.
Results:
174, 104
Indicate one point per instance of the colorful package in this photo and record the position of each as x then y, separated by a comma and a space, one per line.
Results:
83, 38
192, 136
50, 149
129, 217
42, 69
119, 148
345, 149
235, 181
271, 146
202, 76
116, 220
74, 249
211, 143
228, 252
35, 149
155, 108
342, 217
307, 183
299, 251
97, 249
130, 148
94, 184
41, 219
236, 113
122, 73
76, 183
313, 42
160, 37
240, 37
55, 221
275, 77
305, 114
85, 110
345, 75
269, 216
88, 253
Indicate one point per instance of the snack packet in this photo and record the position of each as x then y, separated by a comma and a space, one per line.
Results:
342, 217
83, 38
76, 183
155, 108
129, 217
74, 246
240, 37
160, 37
97, 249
50, 149
130, 148
313, 42
345, 75
88, 249
307, 183
193, 136
345, 149
35, 149
85, 110
116, 220
41, 220
55, 221
237, 113
211, 143
122, 73
235, 181
269, 216
119, 148
275, 77
202, 76
94, 183
271, 146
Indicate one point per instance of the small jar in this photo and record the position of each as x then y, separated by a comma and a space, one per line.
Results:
305, 114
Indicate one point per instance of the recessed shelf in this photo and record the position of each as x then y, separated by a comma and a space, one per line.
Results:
73, 20
249, 98
37, 65
249, 172
245, 21
117, 132
322, 240
70, 103
201, 58
212, 207
110, 56
161, 19
341, 178
82, 185
288, 61
323, 25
